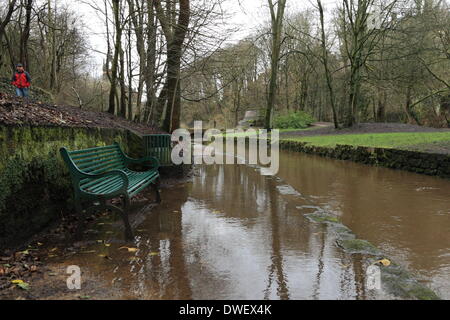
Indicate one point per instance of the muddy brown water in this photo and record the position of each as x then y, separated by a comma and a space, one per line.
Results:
232, 233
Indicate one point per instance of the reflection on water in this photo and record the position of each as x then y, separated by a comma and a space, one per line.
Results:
232, 233
406, 215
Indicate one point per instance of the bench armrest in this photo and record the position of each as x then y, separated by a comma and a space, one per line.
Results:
119, 173
150, 161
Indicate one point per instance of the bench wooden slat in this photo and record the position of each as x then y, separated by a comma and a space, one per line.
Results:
97, 158
83, 151
137, 189
96, 184
118, 164
85, 183
107, 188
93, 154
104, 169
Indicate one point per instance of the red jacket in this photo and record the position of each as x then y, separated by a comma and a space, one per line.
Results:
21, 80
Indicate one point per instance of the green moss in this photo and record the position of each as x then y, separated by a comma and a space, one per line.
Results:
400, 283
422, 293
34, 183
322, 218
354, 246
343, 232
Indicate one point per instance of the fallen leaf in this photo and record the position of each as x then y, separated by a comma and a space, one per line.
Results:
131, 250
85, 297
24, 286
153, 254
134, 259
88, 252
385, 262
17, 282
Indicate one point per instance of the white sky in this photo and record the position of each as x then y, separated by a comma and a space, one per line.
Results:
246, 15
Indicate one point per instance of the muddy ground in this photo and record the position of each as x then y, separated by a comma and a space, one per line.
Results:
36, 269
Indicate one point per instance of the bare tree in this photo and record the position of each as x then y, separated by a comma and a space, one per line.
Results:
175, 25
277, 15
326, 65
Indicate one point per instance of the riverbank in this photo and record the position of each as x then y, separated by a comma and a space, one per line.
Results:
397, 146
412, 148
375, 135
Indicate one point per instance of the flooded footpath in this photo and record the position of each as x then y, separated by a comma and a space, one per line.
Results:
232, 233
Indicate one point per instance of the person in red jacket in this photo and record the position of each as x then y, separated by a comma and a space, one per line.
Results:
22, 81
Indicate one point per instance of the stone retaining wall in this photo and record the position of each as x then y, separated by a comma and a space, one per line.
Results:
35, 189
418, 162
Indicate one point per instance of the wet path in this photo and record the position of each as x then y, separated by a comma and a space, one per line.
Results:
232, 233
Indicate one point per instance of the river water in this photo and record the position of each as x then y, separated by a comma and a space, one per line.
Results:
232, 233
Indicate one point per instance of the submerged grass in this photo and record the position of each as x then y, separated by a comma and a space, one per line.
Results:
378, 140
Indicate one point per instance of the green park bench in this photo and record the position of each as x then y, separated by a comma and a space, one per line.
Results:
102, 174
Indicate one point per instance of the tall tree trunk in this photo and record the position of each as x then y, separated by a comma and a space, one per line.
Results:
5, 22
175, 41
130, 75
115, 60
123, 89
326, 66
277, 27
412, 117
137, 13
382, 101
52, 40
150, 63
26, 35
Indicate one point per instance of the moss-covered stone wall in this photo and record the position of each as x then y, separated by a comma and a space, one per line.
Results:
418, 162
35, 189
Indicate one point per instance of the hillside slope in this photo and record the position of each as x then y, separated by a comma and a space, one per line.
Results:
18, 111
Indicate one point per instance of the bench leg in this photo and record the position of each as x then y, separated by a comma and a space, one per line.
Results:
79, 211
126, 209
155, 186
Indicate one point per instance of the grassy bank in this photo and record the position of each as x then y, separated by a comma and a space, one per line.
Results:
405, 141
